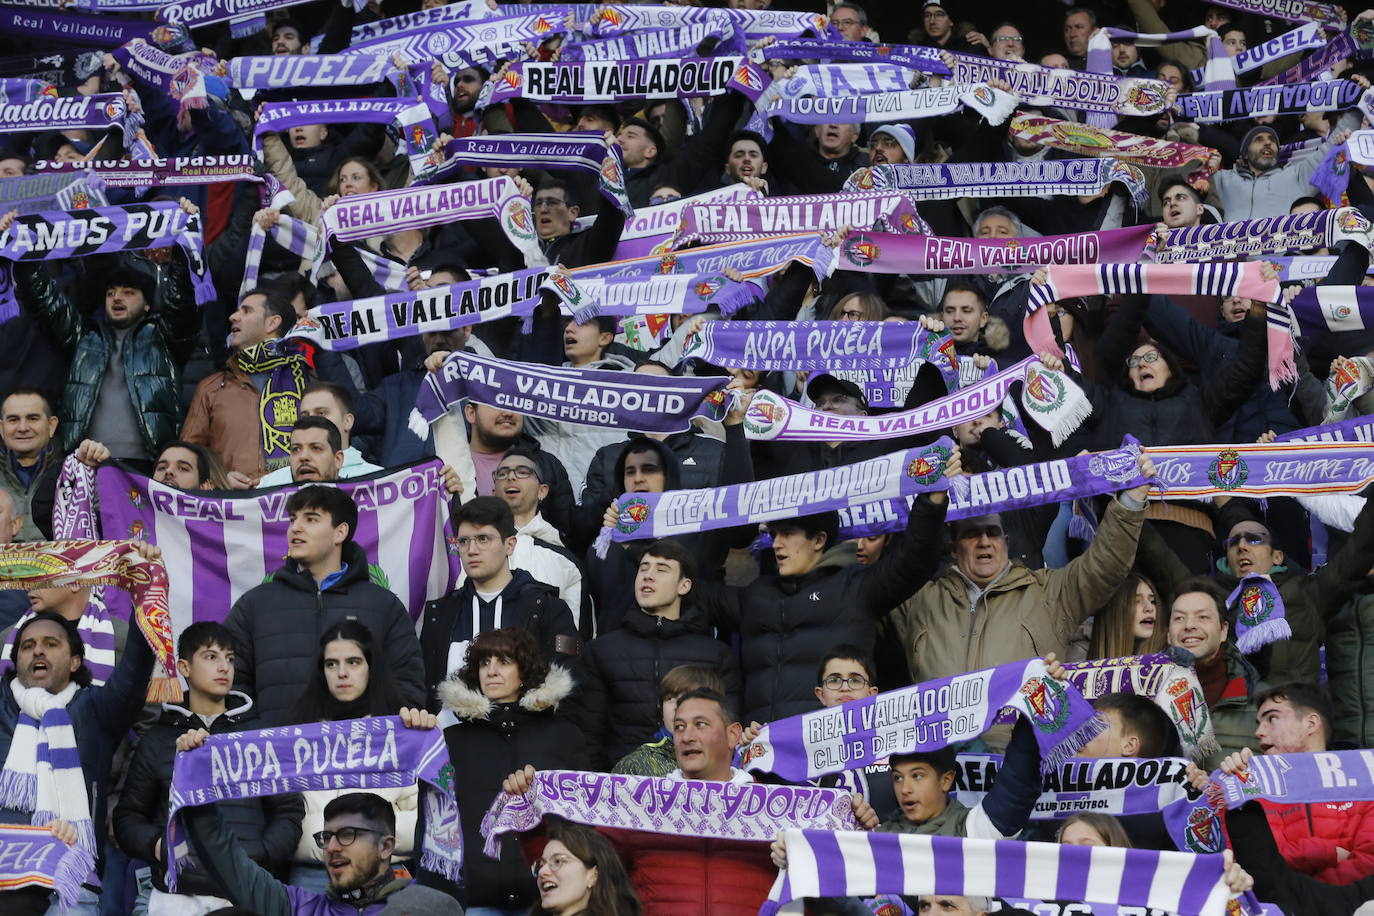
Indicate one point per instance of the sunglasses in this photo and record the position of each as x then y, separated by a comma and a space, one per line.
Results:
1249, 537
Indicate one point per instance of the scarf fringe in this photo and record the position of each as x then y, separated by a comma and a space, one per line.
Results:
443, 865
71, 872
85, 830
1071, 744
18, 790
1072, 418
602, 544
1257, 637
164, 688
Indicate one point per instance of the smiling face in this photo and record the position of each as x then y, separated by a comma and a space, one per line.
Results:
25, 425
964, 314
313, 458
365, 859
921, 792
980, 549
354, 179
1196, 624
1250, 550
703, 741
565, 882
45, 657
1147, 369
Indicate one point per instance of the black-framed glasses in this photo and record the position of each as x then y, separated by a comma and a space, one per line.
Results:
519, 472
1151, 357
853, 682
1253, 538
345, 835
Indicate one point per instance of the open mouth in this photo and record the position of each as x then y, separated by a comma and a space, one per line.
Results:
1147, 622
547, 885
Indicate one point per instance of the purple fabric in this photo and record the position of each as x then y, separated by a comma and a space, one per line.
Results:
44, 112
818, 346
1257, 470
1107, 785
888, 253
197, 13
470, 11
946, 181
682, 41
1071, 89
916, 57
427, 38
673, 294
31, 856
752, 258
283, 71
926, 717
417, 128
618, 20
180, 170
587, 81
1294, 98
45, 192
1243, 239
372, 753
1327, 14
582, 151
712, 223
1325, 776
72, 28
1259, 613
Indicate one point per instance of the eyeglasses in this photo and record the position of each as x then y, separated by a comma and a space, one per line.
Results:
1016, 38
345, 835
519, 472
845, 23
828, 401
481, 540
1151, 357
555, 863
973, 533
1252, 538
663, 199
548, 203
853, 682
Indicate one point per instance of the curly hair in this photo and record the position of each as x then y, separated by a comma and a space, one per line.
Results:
514, 643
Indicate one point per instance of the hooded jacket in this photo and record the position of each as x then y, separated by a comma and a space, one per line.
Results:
618, 674
266, 828
524, 602
488, 743
277, 628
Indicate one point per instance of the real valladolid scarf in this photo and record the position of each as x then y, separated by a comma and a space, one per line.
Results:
1106, 785
949, 180
30, 856
676, 807
373, 753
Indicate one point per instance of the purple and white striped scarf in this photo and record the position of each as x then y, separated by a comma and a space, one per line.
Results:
1218, 73
887, 253
53, 191
465, 11
581, 151
1106, 785
1328, 15
651, 229
1244, 239
950, 180
581, 82
847, 864
819, 346
358, 322
667, 294
676, 41
159, 173
281, 71
31, 114
1223, 279
199, 13
373, 753
72, 28
878, 211
410, 114
97, 631
1071, 89
607, 20
917, 57
1295, 98
1320, 310
841, 79
302, 239
650, 516
584, 397
753, 258
1260, 470
42, 770
1306, 37
59, 234
676, 807
423, 41
30, 856
926, 717
178, 77
994, 105
1323, 776
1051, 399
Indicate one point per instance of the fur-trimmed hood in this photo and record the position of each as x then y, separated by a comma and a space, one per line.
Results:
466, 703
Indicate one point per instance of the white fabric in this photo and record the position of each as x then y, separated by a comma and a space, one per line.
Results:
405, 800
58, 793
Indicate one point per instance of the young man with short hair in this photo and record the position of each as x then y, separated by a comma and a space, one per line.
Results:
326, 578
1136, 727
316, 451
539, 546
267, 829
1200, 622
331, 402
188, 466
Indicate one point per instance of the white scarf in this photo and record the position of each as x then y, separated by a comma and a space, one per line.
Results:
43, 770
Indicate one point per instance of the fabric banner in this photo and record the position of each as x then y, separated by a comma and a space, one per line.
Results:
38, 193
675, 807
651, 229
753, 258
59, 234
1072, 89
650, 516
1218, 73
888, 253
374, 753
847, 864
712, 223
671, 294
1260, 471
1086, 140
925, 717
994, 105
72, 28
680, 41
842, 79
437, 37
356, 323
579, 150
30, 856
1259, 101
198, 13
75, 112
53, 564
916, 57
819, 346
1328, 15
303, 239
1320, 310
290, 71
158, 173
1244, 239
402, 527
1325, 776
582, 82
951, 180
465, 11
410, 114
1222, 279
621, 19
1103, 785
1306, 37
585, 397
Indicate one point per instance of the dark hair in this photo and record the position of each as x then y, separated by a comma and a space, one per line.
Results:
481, 511
964, 286
1177, 378
606, 324
557, 184
654, 135
126, 274
1142, 718
208, 466
669, 549
82, 675
310, 421
203, 634
335, 390
368, 166
381, 698
524, 451
339, 505
942, 761
1114, 625
727, 711
612, 894
753, 136
875, 309
1308, 199
1104, 825
1304, 698
683, 679
294, 284
1184, 72
1092, 16
514, 643
369, 805
848, 652
30, 391
1178, 181
278, 303
1207, 586
826, 523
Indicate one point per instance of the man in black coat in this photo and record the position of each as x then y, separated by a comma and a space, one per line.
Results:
267, 828
277, 625
618, 675
492, 597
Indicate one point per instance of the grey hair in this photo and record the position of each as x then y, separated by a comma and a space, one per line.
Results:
1001, 211
858, 10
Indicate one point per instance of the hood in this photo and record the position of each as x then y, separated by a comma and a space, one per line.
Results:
540, 529
236, 705
466, 703
353, 555
672, 464
520, 580
832, 561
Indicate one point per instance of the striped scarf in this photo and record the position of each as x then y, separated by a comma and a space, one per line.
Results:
96, 628
43, 769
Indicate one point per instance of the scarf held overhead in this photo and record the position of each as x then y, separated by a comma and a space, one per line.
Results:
1087, 140
1037, 85
888, 253
1106, 785
951, 180
818, 346
879, 211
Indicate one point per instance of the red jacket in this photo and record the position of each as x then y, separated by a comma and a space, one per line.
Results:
1308, 834
691, 876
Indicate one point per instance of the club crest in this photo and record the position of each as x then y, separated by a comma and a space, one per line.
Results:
1046, 703
634, 512
1228, 470
1256, 605
1203, 833
860, 250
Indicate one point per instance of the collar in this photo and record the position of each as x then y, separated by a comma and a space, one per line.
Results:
329, 579
367, 893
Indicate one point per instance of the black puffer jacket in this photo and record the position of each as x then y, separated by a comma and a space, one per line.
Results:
277, 628
525, 602
489, 742
617, 700
266, 828
787, 623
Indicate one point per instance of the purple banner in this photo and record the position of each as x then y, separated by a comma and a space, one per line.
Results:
73, 28
581, 82
158, 173
712, 223
917, 57
888, 253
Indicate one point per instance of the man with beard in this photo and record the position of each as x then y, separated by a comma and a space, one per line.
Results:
1258, 186
892, 144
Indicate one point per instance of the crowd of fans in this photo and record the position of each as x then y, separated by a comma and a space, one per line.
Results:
665, 658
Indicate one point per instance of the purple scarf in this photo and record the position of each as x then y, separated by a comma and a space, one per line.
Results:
1259, 613
1327, 14
673, 294
73, 28
198, 13
1246, 238
819, 346
280, 71
650, 230
886, 253
1106, 785
373, 753
159, 173
1296, 98
584, 152
926, 717
53, 191
753, 258
676, 807
1325, 776
585, 397
680, 41
917, 57
994, 105
24, 113
1260, 471
619, 20
1037, 85
1036, 178
580, 82
411, 114
465, 11
30, 856
425, 39
712, 223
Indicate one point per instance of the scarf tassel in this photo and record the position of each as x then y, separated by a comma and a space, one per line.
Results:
85, 831
18, 790
602, 544
164, 688
440, 864
76, 863
1068, 422
1257, 637
1069, 746
1282, 368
